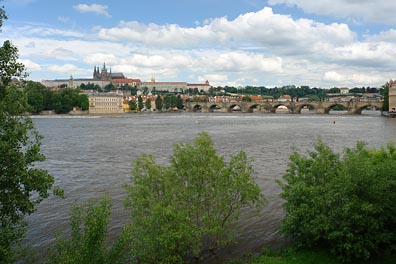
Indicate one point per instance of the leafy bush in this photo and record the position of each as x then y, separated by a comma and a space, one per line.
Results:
184, 209
346, 203
87, 241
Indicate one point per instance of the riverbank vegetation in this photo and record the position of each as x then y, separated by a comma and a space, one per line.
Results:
22, 185
339, 208
344, 203
179, 213
304, 256
62, 102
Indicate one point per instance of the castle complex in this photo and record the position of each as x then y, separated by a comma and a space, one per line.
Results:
104, 76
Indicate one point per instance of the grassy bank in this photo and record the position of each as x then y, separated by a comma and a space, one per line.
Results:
292, 256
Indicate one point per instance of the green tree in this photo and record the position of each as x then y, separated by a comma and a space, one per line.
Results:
168, 101
87, 242
159, 103
246, 99
109, 87
22, 185
147, 104
187, 207
83, 102
39, 96
344, 203
9, 66
140, 102
386, 86
65, 100
35, 95
179, 102
334, 90
132, 104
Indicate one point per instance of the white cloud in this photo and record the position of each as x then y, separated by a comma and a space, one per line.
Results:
379, 11
262, 28
66, 68
94, 8
256, 48
30, 65
352, 79
64, 19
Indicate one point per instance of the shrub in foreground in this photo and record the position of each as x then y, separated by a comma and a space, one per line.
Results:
87, 243
181, 210
343, 202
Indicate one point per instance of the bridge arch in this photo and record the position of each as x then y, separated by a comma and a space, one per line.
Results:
276, 107
359, 109
299, 108
253, 107
330, 107
234, 108
197, 108
214, 107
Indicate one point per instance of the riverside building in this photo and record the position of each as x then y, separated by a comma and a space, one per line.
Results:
105, 103
392, 97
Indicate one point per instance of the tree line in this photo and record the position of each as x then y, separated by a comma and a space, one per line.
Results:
162, 103
62, 102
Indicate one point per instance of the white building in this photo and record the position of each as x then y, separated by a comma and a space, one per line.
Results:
344, 90
392, 97
105, 103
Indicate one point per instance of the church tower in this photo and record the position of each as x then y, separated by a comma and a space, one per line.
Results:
96, 73
103, 74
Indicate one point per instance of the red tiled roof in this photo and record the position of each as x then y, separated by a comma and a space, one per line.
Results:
168, 83
126, 80
197, 84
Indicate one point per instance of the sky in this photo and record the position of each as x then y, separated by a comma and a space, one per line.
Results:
322, 43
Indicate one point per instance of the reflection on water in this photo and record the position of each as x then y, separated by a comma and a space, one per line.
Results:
91, 156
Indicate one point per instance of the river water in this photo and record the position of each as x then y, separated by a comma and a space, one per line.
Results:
90, 156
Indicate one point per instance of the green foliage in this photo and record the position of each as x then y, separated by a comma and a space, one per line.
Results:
302, 256
334, 90
179, 102
83, 102
290, 256
168, 101
132, 105
159, 103
147, 104
65, 100
140, 102
9, 65
37, 95
87, 242
246, 99
41, 98
109, 87
22, 185
386, 86
344, 203
187, 207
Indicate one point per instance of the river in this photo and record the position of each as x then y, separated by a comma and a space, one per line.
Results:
92, 155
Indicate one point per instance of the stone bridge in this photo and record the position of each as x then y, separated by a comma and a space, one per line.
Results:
353, 107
